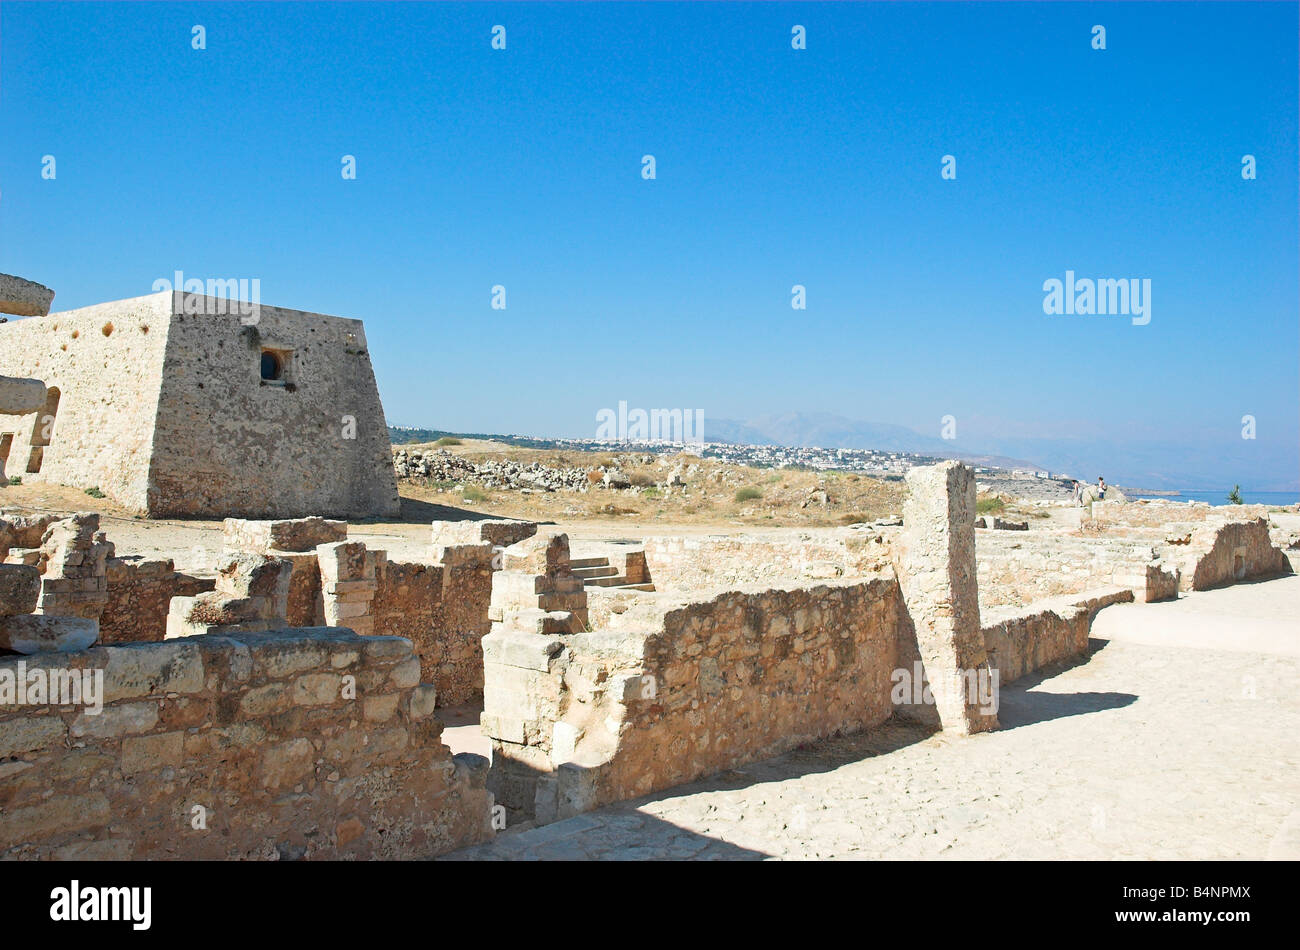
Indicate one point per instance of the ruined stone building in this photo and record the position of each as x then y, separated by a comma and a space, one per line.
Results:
174, 406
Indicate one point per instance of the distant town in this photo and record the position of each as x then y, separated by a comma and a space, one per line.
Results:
891, 466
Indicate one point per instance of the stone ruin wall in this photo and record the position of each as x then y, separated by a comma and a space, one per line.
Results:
1225, 554
255, 730
105, 361
183, 425
1019, 568
227, 441
581, 719
1021, 640
578, 717
714, 562
1161, 513
683, 690
442, 609
139, 593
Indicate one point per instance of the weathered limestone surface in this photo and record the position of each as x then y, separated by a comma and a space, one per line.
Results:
20, 396
1023, 568
43, 633
1224, 554
348, 583
680, 690
253, 735
74, 559
24, 298
295, 535
500, 532
1020, 640
251, 594
20, 589
718, 562
536, 589
442, 608
24, 531
184, 425
935, 559
139, 598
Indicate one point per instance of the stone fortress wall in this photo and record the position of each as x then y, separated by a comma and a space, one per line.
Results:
184, 424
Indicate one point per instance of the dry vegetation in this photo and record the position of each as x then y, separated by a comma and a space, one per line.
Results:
715, 492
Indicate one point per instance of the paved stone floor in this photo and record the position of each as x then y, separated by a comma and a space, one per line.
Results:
1153, 748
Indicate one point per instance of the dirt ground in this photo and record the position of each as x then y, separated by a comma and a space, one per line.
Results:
1177, 738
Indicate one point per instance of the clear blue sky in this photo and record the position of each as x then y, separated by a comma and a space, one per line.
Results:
775, 167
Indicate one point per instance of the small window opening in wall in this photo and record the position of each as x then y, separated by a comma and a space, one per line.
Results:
272, 366
43, 430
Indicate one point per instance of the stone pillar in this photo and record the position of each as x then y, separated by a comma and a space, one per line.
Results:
935, 560
348, 574
76, 557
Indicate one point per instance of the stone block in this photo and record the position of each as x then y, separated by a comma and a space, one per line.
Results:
40, 633
20, 589
24, 298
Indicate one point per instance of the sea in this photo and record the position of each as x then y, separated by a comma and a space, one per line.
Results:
1219, 496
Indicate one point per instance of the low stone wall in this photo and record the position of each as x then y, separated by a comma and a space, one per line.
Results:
440, 606
139, 593
498, 532
443, 609
1019, 568
1022, 640
1159, 513
717, 562
681, 690
1225, 554
292, 744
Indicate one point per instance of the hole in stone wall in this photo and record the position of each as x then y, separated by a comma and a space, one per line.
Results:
43, 430
272, 365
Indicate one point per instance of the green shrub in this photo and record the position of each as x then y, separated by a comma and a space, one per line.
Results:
748, 494
95, 492
15, 480
474, 493
989, 506
448, 440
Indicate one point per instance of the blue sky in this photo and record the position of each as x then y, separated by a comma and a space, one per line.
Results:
775, 167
